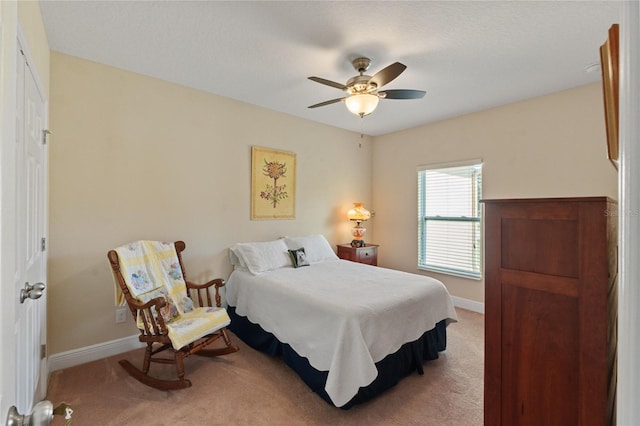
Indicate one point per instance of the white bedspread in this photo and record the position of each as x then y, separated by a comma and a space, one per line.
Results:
342, 316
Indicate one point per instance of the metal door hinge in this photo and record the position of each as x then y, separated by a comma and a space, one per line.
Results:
45, 134
43, 351
43, 244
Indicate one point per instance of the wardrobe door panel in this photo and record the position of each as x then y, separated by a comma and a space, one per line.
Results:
539, 352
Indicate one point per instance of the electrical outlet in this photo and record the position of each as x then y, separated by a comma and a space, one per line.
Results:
121, 315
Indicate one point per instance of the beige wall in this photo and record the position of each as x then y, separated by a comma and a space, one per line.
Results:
134, 157
551, 146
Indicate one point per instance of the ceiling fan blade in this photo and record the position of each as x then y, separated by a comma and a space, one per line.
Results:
402, 94
328, 83
387, 74
332, 101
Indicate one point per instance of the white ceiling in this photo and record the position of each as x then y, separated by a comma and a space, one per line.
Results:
467, 55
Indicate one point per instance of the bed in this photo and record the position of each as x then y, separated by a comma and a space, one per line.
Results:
349, 330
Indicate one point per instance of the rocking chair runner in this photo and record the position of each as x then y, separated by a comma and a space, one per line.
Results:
184, 329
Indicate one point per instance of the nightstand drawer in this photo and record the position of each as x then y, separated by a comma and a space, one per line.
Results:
367, 255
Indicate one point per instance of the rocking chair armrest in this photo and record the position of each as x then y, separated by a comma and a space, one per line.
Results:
202, 295
217, 282
157, 302
152, 322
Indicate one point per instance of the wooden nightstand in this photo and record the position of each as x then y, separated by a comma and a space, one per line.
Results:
367, 254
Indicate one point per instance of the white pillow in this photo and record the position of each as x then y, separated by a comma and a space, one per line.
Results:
316, 247
236, 260
262, 256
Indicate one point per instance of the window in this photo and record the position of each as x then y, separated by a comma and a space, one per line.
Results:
449, 220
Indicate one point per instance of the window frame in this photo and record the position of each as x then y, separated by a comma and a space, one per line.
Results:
423, 264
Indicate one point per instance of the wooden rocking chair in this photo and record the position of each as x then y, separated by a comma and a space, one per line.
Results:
163, 333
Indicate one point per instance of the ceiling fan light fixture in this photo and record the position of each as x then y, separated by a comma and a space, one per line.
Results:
362, 104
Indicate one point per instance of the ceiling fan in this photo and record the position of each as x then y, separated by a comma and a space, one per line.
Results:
362, 90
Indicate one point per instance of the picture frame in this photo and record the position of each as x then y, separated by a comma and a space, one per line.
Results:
609, 61
273, 184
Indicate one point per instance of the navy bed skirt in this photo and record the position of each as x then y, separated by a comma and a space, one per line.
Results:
391, 369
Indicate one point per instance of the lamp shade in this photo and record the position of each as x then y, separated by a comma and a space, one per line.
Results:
362, 104
358, 213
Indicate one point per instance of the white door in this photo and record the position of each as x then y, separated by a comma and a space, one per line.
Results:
31, 374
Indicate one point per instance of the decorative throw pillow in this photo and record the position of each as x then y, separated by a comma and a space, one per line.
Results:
299, 257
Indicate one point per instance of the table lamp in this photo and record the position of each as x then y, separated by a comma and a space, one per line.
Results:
358, 214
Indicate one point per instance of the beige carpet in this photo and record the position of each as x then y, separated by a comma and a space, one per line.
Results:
250, 388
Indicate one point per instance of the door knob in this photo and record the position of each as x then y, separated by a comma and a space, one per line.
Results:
31, 291
42, 415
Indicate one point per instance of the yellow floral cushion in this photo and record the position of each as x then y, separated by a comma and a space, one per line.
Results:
193, 325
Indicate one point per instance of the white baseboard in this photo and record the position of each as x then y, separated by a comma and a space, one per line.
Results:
470, 305
94, 352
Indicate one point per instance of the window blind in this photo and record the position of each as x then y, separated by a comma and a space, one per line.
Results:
449, 219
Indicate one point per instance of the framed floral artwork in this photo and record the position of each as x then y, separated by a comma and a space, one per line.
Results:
273, 184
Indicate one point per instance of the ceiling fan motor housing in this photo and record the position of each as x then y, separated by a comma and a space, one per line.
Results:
360, 84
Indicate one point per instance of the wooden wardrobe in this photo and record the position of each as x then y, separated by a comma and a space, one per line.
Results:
550, 311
